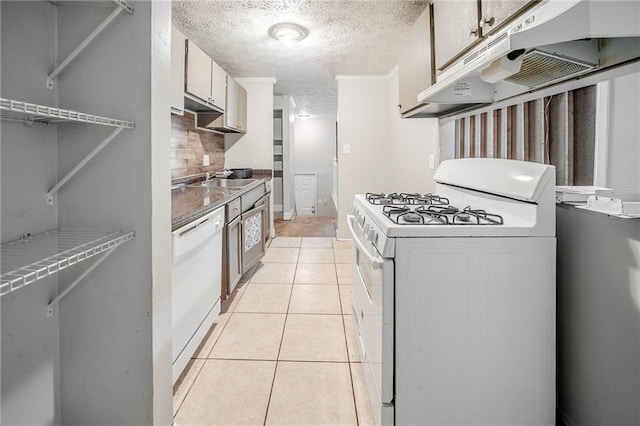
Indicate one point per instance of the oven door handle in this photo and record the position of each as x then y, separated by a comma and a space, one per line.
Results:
376, 261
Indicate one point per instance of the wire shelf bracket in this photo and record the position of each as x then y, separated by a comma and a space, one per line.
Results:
77, 281
36, 257
121, 6
80, 165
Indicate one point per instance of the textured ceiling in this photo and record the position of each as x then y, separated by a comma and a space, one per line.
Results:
345, 37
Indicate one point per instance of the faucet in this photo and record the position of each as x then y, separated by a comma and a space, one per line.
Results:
207, 176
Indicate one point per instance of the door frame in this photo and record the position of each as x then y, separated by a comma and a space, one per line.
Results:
315, 191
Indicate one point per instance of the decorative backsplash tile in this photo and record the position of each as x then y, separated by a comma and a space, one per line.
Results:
189, 145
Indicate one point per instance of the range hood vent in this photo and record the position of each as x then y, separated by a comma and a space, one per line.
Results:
540, 67
555, 41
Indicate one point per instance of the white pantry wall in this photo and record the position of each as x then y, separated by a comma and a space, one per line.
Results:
315, 142
254, 149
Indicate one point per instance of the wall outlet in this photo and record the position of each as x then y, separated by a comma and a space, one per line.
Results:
432, 162
346, 149
205, 159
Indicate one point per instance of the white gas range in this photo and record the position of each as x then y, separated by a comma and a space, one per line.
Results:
454, 296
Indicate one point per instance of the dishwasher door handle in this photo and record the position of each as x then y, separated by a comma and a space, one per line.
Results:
193, 228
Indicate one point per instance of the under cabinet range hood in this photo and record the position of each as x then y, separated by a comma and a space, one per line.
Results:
216, 123
555, 41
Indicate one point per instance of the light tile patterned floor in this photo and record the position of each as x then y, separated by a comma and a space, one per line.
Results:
285, 351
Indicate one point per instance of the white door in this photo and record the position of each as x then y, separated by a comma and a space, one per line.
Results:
305, 186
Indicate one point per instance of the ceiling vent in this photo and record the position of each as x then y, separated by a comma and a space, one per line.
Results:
540, 67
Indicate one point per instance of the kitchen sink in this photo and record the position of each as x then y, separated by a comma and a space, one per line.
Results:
227, 183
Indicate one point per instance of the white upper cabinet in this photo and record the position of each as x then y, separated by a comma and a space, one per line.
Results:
177, 71
242, 108
218, 85
231, 112
198, 72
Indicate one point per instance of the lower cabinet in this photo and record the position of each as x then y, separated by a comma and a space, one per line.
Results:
245, 235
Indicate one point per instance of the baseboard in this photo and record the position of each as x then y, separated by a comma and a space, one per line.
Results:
277, 207
288, 215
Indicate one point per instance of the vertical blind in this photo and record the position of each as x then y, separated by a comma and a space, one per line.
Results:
557, 130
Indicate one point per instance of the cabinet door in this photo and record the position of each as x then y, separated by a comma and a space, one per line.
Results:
198, 72
455, 29
242, 108
414, 62
252, 237
231, 110
177, 70
266, 225
218, 85
495, 13
234, 254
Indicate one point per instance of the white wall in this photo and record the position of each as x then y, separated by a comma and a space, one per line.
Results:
413, 141
623, 167
388, 154
363, 126
288, 157
314, 152
255, 148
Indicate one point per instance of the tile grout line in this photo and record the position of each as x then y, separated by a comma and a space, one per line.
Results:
275, 370
344, 329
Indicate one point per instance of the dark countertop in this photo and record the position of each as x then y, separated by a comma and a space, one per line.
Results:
191, 202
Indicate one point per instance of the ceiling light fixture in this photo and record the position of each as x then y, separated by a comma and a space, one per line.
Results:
288, 32
303, 116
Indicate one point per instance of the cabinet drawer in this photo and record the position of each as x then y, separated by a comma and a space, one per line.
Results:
233, 209
250, 198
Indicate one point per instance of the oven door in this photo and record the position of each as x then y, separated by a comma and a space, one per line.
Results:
372, 304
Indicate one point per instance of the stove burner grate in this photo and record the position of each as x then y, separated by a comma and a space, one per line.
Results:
469, 216
439, 215
405, 198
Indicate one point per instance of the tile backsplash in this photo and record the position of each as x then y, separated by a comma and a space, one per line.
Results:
189, 145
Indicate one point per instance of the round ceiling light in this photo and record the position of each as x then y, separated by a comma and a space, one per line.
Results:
288, 32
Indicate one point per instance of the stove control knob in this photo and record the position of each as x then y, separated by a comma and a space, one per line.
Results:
371, 234
374, 237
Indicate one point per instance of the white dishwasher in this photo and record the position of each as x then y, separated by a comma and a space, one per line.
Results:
195, 284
